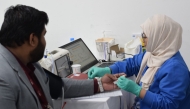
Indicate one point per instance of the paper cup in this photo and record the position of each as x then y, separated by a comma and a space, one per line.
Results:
76, 68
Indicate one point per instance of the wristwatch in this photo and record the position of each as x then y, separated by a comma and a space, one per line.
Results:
100, 84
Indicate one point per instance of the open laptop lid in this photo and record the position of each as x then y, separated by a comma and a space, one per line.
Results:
80, 54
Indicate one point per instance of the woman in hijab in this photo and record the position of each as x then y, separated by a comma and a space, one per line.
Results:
163, 78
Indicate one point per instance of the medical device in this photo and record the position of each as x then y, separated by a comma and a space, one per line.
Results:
57, 62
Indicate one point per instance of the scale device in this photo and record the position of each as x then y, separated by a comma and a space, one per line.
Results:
57, 62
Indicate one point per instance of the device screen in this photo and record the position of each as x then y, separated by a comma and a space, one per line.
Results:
63, 66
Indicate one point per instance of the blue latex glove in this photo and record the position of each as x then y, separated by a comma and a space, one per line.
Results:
128, 85
98, 72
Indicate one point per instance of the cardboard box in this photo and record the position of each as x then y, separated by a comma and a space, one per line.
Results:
117, 49
117, 54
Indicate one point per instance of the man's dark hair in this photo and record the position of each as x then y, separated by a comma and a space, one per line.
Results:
19, 22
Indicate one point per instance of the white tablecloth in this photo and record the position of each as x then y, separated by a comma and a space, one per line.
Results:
118, 102
95, 103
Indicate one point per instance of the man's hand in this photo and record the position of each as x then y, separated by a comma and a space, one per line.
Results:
108, 79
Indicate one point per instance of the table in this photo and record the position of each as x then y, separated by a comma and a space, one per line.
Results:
116, 102
95, 103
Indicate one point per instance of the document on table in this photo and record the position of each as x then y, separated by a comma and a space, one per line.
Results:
101, 95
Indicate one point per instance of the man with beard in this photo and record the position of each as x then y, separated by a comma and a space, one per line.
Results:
23, 83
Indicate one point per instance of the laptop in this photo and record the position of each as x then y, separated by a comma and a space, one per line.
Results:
81, 54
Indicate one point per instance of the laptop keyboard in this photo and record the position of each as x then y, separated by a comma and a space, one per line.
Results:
105, 64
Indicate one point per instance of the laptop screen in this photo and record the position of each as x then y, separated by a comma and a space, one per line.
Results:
80, 54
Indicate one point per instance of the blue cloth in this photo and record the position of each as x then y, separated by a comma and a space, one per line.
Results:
171, 85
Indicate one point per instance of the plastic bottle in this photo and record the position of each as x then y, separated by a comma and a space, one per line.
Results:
72, 39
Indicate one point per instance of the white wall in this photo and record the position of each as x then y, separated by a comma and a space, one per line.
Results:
87, 19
